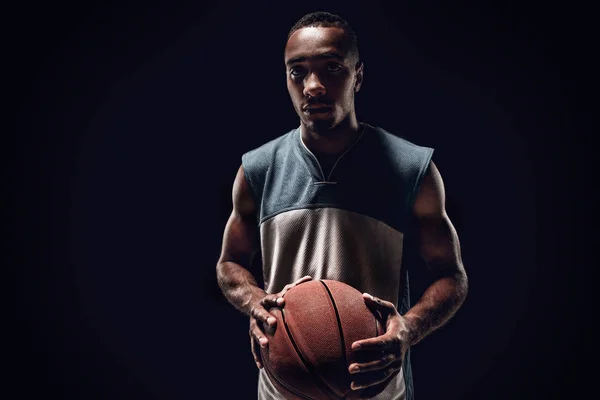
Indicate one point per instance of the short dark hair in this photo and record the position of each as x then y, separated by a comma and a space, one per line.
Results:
327, 20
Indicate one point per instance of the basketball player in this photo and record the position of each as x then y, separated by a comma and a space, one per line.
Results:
333, 199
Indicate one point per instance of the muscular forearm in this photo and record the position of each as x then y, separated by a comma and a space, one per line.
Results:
437, 305
239, 286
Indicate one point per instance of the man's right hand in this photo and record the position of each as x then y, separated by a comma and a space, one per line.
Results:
260, 317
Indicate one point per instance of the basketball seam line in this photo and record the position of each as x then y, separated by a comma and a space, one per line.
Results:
309, 367
339, 321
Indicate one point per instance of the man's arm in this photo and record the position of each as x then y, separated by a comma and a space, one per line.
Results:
240, 244
439, 246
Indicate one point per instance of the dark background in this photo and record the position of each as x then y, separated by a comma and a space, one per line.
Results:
134, 120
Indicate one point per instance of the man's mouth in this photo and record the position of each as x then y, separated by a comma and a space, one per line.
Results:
317, 110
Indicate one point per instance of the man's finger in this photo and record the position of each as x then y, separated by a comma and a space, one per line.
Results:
262, 315
376, 389
295, 283
383, 342
369, 379
257, 334
256, 353
386, 360
272, 300
285, 289
379, 304
302, 280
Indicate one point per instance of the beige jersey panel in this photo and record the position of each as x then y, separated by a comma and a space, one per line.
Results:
331, 243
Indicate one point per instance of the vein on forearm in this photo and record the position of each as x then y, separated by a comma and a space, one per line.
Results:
239, 286
438, 304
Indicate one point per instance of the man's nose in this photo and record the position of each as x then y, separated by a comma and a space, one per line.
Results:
313, 86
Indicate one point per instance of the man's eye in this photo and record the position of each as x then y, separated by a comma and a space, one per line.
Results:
333, 67
296, 72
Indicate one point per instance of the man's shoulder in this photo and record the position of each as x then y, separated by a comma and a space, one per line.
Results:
271, 146
404, 155
396, 141
260, 157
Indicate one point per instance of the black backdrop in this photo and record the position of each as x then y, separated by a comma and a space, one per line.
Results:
137, 116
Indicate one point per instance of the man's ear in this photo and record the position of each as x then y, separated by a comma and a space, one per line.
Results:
360, 67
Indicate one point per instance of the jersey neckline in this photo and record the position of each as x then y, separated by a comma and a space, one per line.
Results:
313, 163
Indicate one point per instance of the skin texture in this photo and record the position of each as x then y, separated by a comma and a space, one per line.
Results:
319, 72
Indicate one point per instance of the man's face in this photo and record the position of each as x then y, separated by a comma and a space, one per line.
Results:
321, 77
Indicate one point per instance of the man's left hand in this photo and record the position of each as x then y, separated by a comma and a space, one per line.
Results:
374, 374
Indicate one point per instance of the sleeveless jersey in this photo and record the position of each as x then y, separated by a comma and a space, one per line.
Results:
348, 226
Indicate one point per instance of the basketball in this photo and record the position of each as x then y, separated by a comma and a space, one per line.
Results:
309, 353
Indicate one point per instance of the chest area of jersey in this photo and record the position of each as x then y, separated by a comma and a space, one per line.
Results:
331, 243
361, 185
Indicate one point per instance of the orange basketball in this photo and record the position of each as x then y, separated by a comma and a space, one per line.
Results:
309, 354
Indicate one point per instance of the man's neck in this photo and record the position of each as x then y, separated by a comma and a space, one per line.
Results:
336, 141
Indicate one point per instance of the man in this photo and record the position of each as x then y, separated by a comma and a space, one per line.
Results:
333, 199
